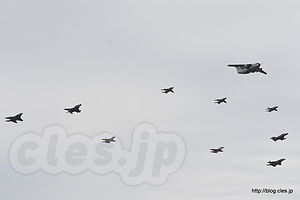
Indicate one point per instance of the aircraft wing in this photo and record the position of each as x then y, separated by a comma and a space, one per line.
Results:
236, 65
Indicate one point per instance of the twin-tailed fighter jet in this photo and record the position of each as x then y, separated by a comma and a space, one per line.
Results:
108, 140
166, 90
280, 137
247, 68
223, 100
217, 150
74, 109
14, 118
271, 109
275, 163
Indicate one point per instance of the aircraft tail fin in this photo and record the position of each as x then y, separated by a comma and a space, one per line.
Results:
261, 71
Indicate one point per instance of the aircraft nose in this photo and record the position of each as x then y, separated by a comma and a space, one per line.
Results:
258, 64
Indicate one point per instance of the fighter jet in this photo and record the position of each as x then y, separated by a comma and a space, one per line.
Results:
74, 109
280, 137
216, 150
218, 101
274, 163
166, 90
108, 140
247, 68
14, 118
271, 109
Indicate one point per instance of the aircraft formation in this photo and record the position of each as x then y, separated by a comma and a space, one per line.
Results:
246, 69
241, 69
277, 162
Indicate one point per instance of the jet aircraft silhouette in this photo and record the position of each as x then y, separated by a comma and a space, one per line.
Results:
275, 163
166, 90
271, 109
14, 118
280, 137
218, 101
74, 109
217, 150
108, 140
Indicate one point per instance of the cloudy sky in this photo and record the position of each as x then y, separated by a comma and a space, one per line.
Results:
113, 57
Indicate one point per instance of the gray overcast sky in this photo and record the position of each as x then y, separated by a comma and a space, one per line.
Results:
115, 56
